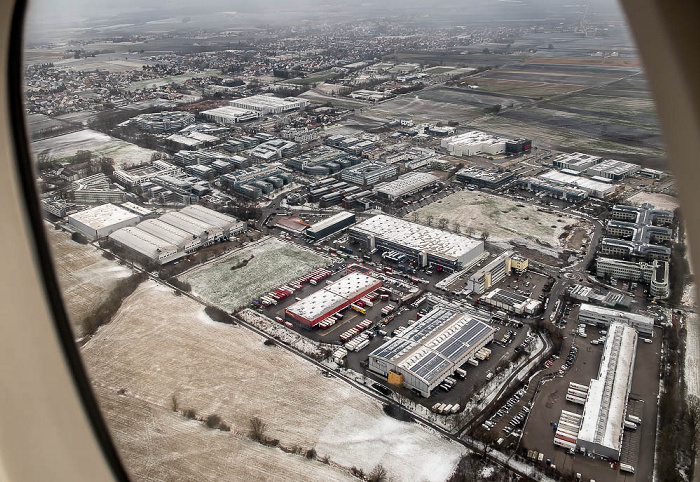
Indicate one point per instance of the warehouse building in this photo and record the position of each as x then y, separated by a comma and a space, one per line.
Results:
229, 115
603, 317
368, 173
145, 246
488, 178
553, 189
510, 301
427, 352
472, 143
495, 271
604, 412
597, 189
613, 169
334, 297
101, 221
406, 185
331, 225
269, 104
424, 244
176, 234
655, 274
576, 161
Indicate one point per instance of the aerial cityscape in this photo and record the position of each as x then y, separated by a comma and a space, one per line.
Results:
380, 242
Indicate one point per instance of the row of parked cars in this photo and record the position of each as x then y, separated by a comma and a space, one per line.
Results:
503, 411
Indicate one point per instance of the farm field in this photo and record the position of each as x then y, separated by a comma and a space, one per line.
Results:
271, 264
159, 346
61, 148
84, 275
422, 109
573, 132
519, 87
502, 218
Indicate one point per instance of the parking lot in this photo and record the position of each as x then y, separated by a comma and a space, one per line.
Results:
637, 446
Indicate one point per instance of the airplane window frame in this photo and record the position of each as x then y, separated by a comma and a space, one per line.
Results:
26, 176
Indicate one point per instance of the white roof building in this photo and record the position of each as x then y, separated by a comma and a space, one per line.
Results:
406, 185
228, 115
332, 298
175, 234
429, 245
599, 315
269, 104
602, 425
474, 142
103, 220
146, 244
594, 188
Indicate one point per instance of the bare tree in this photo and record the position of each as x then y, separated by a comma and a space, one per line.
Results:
429, 219
415, 217
442, 222
469, 230
484, 235
378, 474
257, 429
456, 227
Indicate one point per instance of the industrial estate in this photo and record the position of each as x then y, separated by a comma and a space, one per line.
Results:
401, 209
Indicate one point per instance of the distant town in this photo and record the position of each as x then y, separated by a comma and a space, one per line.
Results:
465, 236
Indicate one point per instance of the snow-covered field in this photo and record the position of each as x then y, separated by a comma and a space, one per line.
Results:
157, 444
84, 275
63, 147
284, 334
274, 263
502, 218
160, 345
660, 201
405, 451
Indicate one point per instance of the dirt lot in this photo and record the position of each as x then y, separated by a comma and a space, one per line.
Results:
160, 345
502, 218
84, 275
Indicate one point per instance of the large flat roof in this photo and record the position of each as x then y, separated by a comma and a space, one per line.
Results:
407, 183
604, 411
609, 312
103, 216
582, 182
332, 296
323, 224
143, 242
352, 285
415, 236
435, 343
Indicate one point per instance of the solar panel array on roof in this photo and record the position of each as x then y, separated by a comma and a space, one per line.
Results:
429, 348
